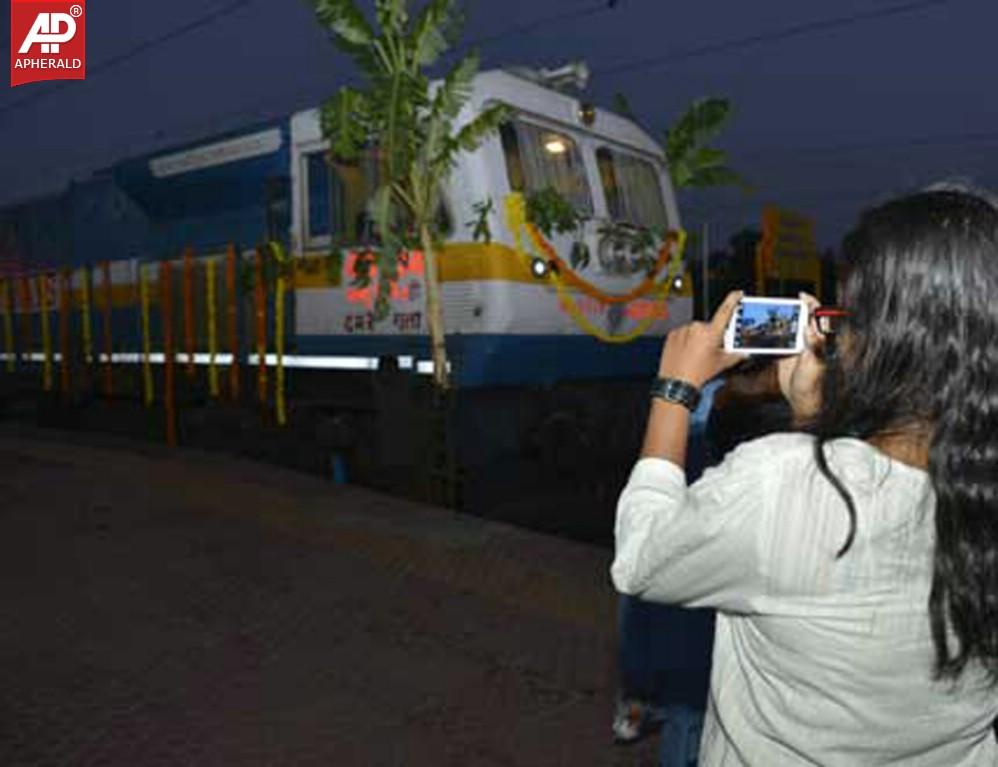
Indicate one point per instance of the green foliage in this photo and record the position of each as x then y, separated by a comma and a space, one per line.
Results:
481, 231
411, 123
552, 214
691, 162
549, 211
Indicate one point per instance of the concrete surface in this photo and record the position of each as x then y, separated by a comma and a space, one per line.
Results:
184, 608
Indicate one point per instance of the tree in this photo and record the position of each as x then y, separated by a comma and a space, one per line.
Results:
411, 124
691, 162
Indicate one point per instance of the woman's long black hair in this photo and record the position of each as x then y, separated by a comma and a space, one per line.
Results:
920, 355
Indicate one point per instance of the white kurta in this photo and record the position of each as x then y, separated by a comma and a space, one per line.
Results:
817, 661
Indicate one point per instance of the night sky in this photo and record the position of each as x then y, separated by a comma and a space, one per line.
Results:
838, 104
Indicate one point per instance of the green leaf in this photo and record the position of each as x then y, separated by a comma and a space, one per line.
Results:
346, 122
481, 231
472, 134
381, 211
345, 20
707, 157
429, 35
701, 122
549, 211
392, 15
691, 162
455, 89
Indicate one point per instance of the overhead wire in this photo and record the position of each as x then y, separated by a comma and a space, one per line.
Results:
769, 36
528, 27
133, 52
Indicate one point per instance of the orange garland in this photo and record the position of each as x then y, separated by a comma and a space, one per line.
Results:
43, 308
230, 309
570, 278
189, 310
24, 299
166, 301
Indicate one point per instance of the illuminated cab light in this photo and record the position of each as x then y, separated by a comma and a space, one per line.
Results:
555, 145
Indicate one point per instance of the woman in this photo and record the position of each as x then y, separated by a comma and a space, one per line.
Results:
854, 565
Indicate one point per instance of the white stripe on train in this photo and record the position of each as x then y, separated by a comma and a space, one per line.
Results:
291, 361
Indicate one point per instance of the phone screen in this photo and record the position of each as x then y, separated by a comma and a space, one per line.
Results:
766, 325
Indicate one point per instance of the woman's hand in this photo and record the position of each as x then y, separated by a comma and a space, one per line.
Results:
695, 353
800, 375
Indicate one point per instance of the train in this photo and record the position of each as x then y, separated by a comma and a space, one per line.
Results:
551, 333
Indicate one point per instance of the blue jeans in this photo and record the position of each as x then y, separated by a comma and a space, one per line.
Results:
665, 651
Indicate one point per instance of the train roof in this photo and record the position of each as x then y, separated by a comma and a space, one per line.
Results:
523, 93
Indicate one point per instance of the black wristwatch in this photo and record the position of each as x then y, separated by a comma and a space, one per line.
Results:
675, 390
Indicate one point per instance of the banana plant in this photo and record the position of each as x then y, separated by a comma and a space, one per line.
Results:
411, 123
693, 164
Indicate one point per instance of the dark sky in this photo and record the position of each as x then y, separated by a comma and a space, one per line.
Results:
838, 104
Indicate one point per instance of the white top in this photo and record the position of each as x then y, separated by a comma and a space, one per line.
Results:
817, 661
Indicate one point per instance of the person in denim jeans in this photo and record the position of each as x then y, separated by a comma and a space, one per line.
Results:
664, 651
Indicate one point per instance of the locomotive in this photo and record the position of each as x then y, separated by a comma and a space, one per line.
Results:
551, 333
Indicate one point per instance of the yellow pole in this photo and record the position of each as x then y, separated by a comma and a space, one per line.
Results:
43, 302
279, 348
147, 382
8, 325
212, 326
26, 307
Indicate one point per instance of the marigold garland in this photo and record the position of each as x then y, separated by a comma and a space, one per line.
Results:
88, 343
209, 300
563, 276
279, 402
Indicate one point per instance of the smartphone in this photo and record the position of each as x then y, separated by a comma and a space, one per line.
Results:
767, 326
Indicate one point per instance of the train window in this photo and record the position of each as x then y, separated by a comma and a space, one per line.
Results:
337, 194
538, 157
632, 189
323, 190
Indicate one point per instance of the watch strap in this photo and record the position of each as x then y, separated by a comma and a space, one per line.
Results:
677, 391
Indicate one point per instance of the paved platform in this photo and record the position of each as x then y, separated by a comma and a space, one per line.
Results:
185, 608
